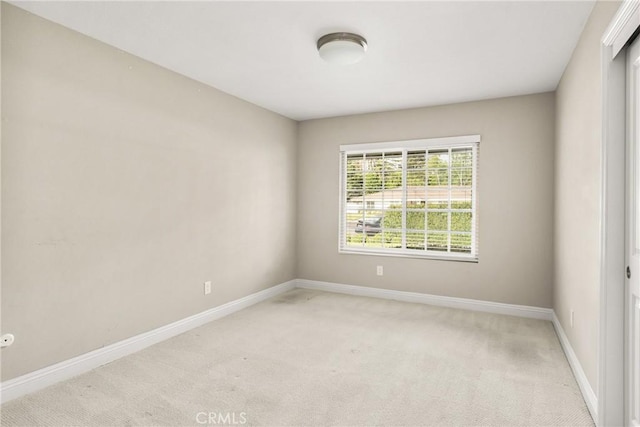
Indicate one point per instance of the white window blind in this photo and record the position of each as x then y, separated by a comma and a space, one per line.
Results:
413, 198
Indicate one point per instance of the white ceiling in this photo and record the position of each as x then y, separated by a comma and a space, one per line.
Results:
420, 52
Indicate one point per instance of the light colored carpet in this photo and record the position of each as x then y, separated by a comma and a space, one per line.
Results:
316, 358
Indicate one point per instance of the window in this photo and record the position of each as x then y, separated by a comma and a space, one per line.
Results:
410, 198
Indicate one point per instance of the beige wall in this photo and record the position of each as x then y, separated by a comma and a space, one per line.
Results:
577, 192
120, 198
124, 187
515, 200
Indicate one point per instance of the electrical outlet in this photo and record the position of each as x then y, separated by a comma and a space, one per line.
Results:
6, 340
379, 270
571, 318
207, 287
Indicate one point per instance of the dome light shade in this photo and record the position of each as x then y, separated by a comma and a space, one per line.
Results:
342, 48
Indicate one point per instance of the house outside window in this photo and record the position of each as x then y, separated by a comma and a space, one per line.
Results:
413, 198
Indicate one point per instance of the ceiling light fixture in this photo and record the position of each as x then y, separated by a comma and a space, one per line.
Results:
342, 48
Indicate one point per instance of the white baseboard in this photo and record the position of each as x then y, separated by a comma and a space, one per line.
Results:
462, 303
587, 392
50, 375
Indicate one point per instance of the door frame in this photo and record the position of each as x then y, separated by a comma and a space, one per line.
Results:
611, 393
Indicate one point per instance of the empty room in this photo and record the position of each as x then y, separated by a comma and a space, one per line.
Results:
389, 213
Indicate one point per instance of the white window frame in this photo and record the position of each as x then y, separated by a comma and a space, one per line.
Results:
466, 141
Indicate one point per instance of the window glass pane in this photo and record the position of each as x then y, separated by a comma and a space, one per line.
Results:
416, 160
461, 197
353, 213
373, 183
438, 158
461, 157
392, 238
437, 241
461, 243
354, 181
461, 176
354, 239
431, 205
438, 221
393, 180
415, 240
392, 219
415, 220
373, 214
392, 162
393, 198
355, 162
438, 168
373, 240
415, 178
355, 200
354, 188
461, 221
416, 197
438, 177
373, 162
392, 172
438, 197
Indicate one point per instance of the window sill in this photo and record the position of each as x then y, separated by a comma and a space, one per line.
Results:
410, 254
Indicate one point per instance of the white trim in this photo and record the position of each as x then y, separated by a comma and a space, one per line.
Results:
405, 202
50, 375
342, 202
610, 409
587, 392
612, 251
474, 204
622, 27
408, 253
450, 141
442, 301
